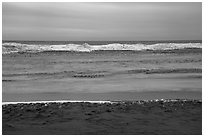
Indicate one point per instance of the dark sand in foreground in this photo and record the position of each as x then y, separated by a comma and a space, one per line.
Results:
171, 117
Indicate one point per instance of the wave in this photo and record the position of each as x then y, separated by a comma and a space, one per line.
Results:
14, 47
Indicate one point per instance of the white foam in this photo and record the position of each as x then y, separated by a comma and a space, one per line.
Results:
10, 47
99, 102
58, 101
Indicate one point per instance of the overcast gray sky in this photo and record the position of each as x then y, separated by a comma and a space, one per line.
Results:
102, 21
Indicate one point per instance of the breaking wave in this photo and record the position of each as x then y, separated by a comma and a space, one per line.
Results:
14, 47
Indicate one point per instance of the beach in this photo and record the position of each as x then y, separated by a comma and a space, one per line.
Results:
156, 117
101, 68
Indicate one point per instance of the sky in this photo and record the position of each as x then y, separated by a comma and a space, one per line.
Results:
101, 21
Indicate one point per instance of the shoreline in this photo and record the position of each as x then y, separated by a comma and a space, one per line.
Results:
100, 101
107, 96
57, 101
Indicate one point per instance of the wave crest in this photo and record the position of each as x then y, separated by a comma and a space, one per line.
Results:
14, 47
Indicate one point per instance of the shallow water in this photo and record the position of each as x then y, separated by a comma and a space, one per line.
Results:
102, 75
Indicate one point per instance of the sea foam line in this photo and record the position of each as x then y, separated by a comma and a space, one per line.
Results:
12, 47
101, 102
58, 101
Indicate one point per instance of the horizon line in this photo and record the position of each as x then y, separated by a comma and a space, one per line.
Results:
103, 40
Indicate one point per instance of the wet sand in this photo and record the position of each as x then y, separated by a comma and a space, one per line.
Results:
130, 96
163, 117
